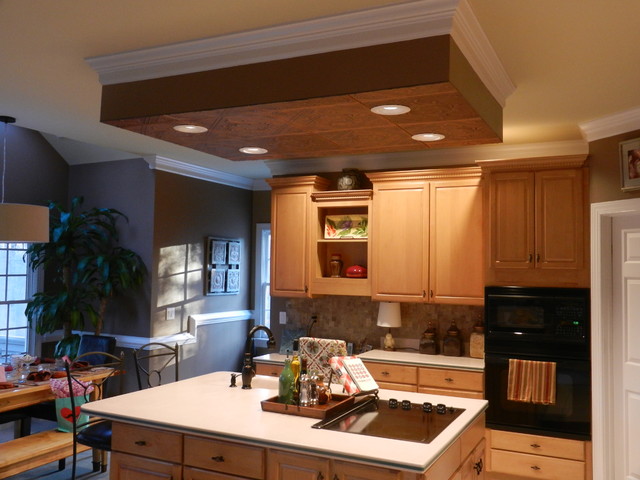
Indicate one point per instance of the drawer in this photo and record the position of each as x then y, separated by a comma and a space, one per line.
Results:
449, 392
454, 379
385, 372
403, 387
190, 473
147, 442
225, 457
538, 445
536, 466
269, 369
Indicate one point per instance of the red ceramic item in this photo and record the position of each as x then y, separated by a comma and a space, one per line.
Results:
356, 271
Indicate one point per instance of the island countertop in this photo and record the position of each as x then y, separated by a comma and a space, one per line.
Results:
208, 406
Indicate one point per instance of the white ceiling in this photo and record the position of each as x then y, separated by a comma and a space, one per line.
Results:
574, 64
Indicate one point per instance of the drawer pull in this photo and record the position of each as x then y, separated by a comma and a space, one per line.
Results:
448, 379
535, 467
218, 458
385, 373
140, 443
534, 445
275, 374
320, 476
478, 466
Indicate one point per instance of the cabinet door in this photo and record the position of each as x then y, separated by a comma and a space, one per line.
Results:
559, 219
289, 217
473, 467
456, 267
511, 201
350, 471
291, 466
399, 241
131, 467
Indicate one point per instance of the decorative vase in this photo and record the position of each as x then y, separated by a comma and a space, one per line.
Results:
349, 180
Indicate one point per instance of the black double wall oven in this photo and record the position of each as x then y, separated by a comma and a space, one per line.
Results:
539, 325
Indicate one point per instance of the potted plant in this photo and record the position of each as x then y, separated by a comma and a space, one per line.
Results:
84, 267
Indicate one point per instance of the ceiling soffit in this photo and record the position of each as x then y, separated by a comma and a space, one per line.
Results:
318, 105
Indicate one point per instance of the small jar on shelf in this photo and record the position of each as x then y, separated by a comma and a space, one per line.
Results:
335, 265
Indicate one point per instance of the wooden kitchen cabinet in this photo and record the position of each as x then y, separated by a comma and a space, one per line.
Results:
269, 369
426, 241
353, 251
243, 461
132, 467
293, 466
456, 383
394, 377
537, 222
352, 471
539, 457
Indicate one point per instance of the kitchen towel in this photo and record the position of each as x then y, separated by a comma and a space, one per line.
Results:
531, 381
318, 351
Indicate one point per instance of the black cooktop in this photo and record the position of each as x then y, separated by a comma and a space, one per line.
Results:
394, 419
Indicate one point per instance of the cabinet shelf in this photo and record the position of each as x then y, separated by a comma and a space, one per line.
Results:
342, 240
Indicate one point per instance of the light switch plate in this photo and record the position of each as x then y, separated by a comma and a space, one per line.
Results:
283, 318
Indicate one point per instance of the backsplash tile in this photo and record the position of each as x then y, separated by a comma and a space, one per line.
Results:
354, 319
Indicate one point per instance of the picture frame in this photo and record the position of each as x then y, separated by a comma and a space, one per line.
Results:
218, 277
222, 266
630, 165
233, 281
234, 253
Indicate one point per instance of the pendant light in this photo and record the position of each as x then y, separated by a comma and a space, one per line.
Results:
20, 223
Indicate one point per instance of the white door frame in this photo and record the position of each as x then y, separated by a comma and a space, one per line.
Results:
601, 340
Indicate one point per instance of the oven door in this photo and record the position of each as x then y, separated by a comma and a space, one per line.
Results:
569, 417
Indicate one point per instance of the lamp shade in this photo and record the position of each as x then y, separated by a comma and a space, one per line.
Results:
389, 315
24, 223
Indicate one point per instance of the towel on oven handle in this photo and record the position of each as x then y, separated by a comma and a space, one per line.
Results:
531, 381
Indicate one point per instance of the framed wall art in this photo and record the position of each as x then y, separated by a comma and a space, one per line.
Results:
222, 266
630, 165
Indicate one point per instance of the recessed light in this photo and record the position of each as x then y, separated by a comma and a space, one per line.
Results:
190, 128
390, 109
427, 137
254, 150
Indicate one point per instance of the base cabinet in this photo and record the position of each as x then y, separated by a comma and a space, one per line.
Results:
131, 467
539, 457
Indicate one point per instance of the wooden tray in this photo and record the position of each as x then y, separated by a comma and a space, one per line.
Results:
337, 404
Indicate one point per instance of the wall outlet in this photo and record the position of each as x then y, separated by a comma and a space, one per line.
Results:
171, 313
283, 318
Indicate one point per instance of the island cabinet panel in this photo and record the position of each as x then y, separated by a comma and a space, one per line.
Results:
198, 474
352, 471
292, 466
147, 442
132, 467
537, 229
225, 457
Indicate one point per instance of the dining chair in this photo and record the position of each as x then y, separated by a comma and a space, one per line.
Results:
96, 432
151, 361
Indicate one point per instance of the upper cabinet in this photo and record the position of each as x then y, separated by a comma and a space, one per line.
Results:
537, 222
290, 220
426, 236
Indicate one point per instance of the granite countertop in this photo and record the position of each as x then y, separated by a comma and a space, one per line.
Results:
206, 405
400, 357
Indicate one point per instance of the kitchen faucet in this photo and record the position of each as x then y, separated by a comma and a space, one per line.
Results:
247, 369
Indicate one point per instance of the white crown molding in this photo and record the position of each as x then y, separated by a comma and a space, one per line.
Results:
611, 125
195, 171
475, 46
427, 158
387, 24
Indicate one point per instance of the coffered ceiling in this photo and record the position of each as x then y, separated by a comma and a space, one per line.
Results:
570, 63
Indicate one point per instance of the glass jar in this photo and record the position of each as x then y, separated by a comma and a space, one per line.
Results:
452, 343
476, 341
429, 341
335, 265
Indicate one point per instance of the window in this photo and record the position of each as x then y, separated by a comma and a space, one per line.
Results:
16, 287
262, 290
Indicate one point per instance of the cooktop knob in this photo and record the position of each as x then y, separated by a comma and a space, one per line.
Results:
441, 408
393, 403
427, 407
406, 404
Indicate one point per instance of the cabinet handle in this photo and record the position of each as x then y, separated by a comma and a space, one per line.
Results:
306, 289
478, 466
535, 467
537, 258
335, 476
140, 443
320, 476
448, 379
534, 445
275, 374
530, 258
218, 458
424, 293
385, 373
431, 293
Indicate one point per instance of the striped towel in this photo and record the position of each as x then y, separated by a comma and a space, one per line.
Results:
531, 381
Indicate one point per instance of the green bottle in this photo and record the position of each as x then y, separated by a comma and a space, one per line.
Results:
286, 385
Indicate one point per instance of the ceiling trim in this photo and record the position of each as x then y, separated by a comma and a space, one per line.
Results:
475, 46
611, 125
388, 24
426, 158
165, 164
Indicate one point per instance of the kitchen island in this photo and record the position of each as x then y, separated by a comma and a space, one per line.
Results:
202, 428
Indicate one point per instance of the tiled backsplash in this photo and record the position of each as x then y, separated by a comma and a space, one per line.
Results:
354, 319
